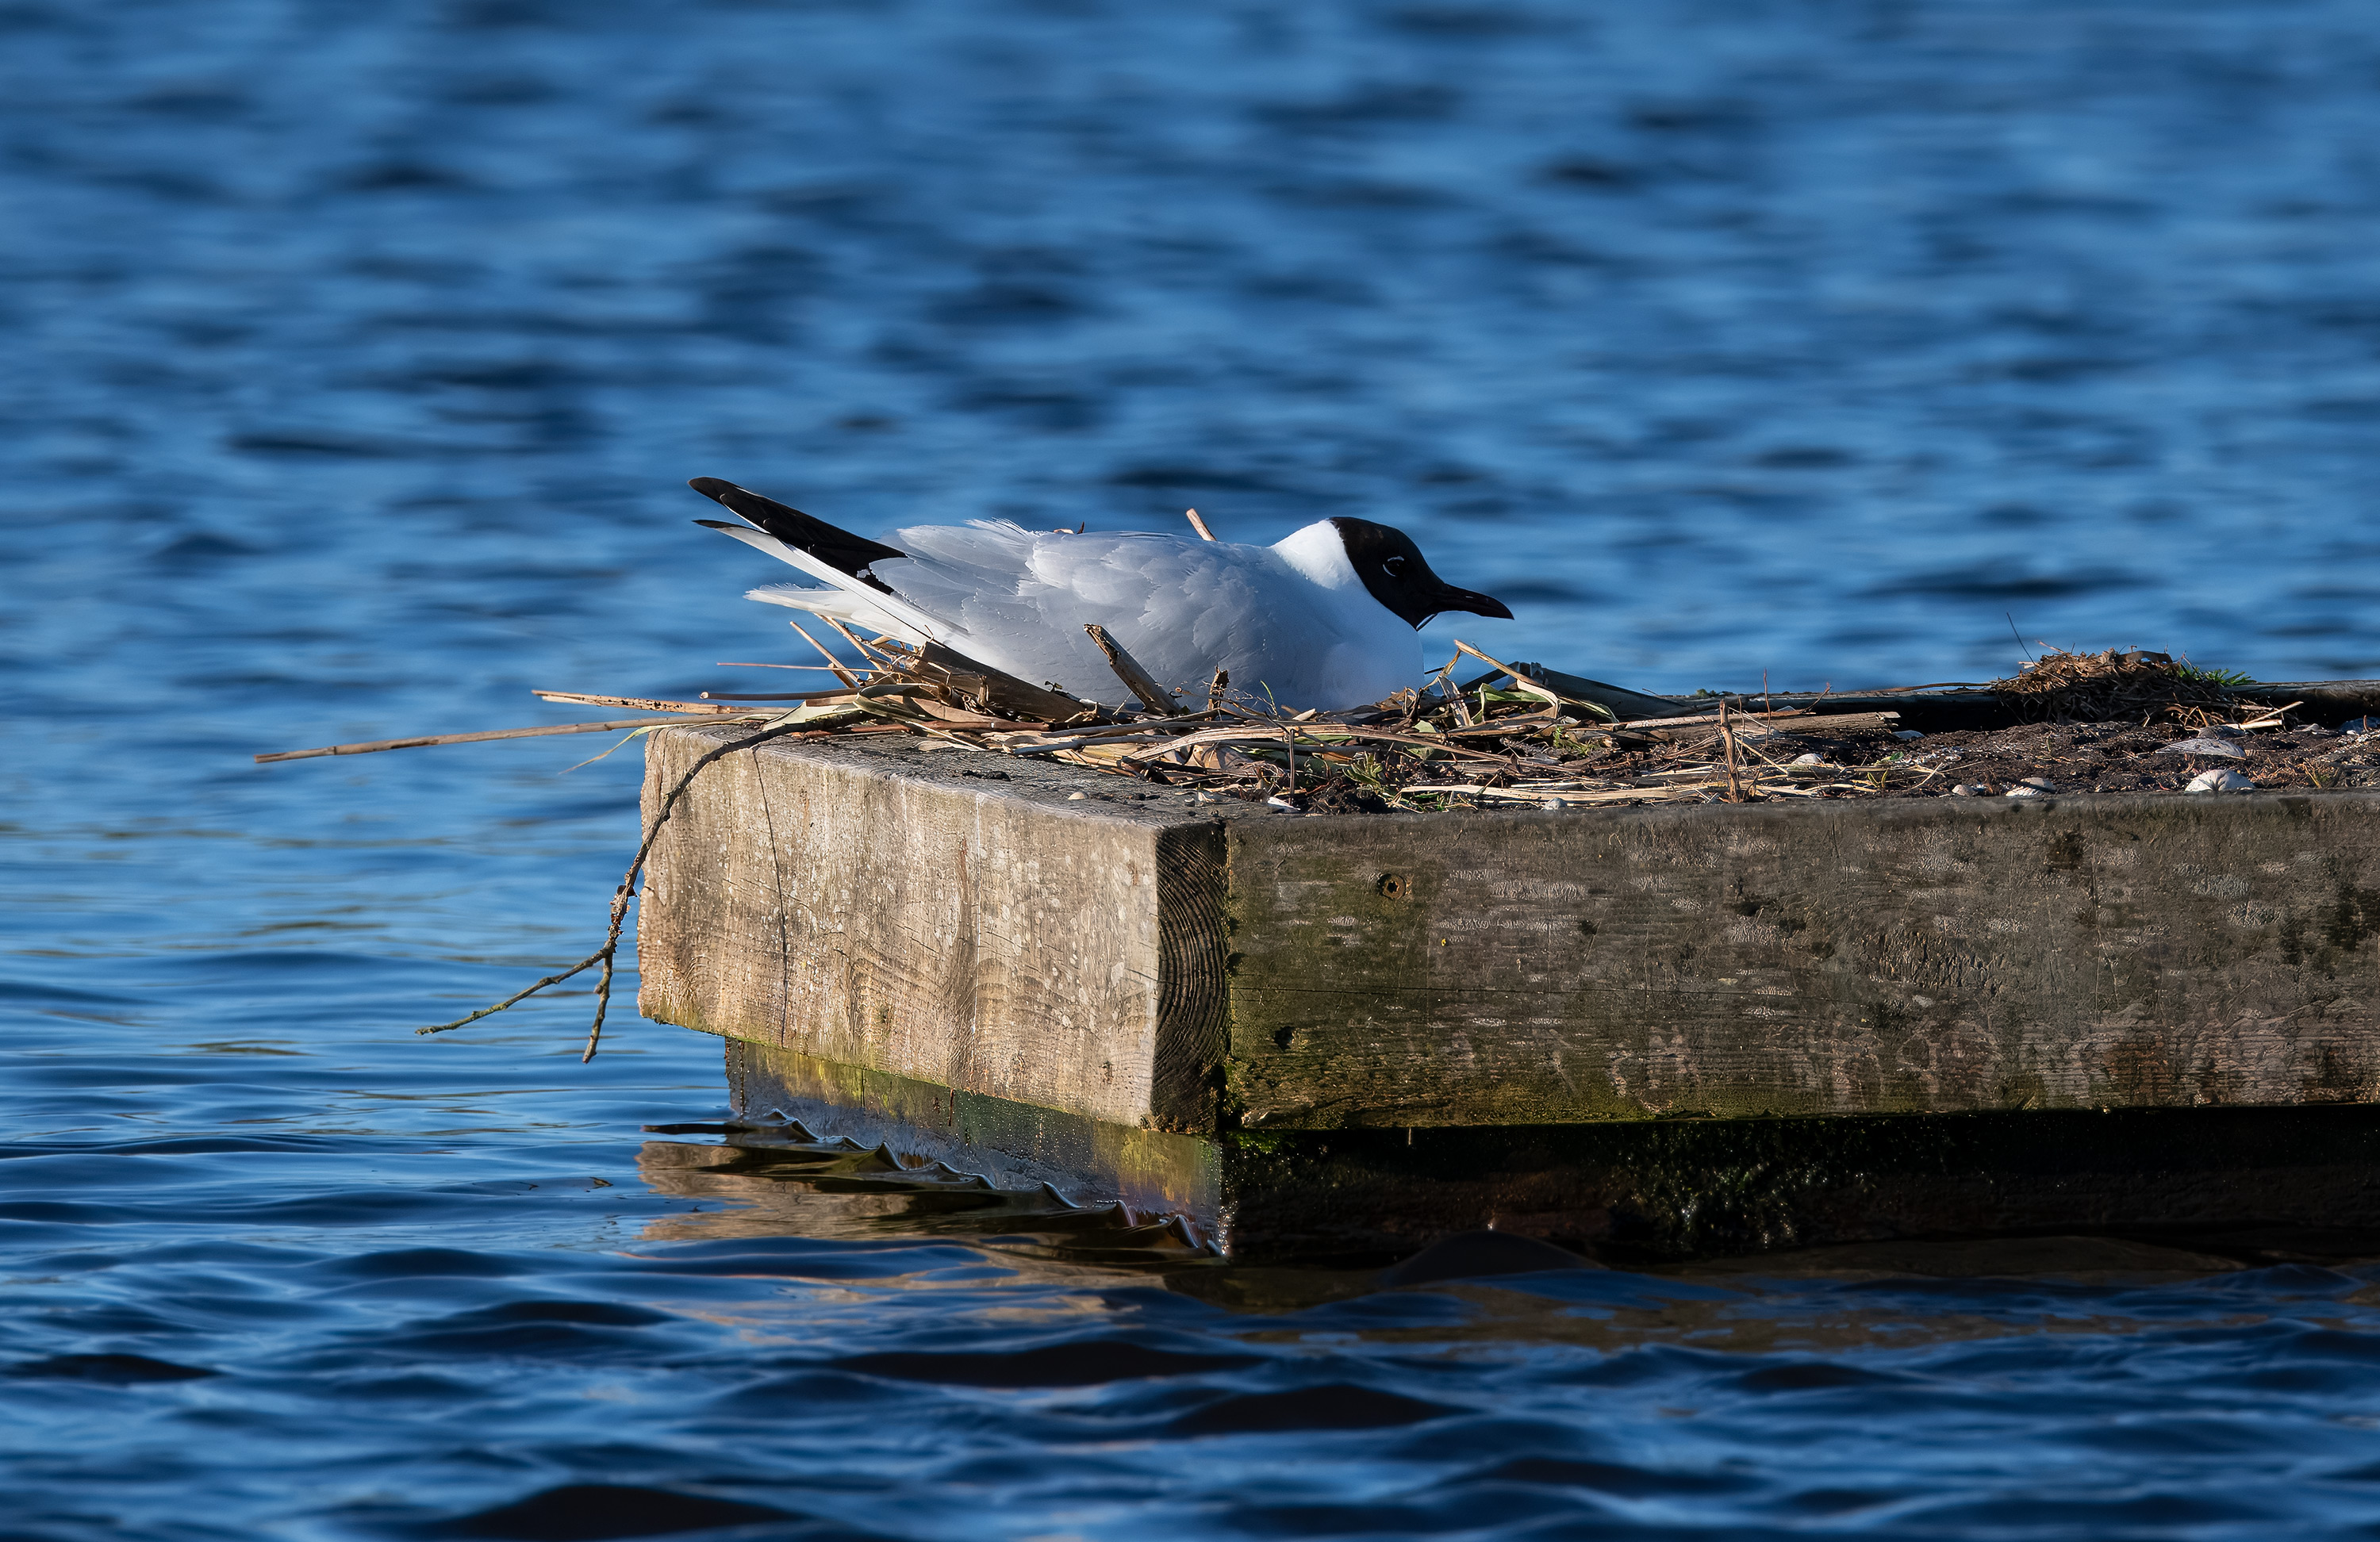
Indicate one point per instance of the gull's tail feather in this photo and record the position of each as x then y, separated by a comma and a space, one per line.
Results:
839, 549
841, 605
873, 604
835, 603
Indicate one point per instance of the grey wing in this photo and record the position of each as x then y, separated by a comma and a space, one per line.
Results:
1183, 608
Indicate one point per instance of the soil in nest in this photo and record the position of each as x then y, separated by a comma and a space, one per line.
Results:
2122, 755
2110, 756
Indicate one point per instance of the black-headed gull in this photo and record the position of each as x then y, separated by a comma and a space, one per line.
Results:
1324, 618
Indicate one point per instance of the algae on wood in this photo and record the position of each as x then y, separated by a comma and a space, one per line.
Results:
1830, 959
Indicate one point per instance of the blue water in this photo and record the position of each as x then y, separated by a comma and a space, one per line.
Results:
354, 360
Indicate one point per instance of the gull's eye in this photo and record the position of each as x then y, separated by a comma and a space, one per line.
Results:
1391, 566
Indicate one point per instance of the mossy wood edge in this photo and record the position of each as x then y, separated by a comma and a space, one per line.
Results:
1144, 962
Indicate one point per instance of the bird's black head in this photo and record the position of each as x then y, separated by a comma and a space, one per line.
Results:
1392, 569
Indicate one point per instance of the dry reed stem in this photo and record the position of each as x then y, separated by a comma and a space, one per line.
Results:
635, 703
376, 745
1727, 737
832, 662
876, 657
1138, 681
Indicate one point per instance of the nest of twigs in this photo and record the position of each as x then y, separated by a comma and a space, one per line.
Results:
1516, 735
2099, 687
1448, 745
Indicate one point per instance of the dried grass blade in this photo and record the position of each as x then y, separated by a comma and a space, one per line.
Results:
1528, 686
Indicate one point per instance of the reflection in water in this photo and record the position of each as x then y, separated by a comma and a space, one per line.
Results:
767, 1185
842, 1189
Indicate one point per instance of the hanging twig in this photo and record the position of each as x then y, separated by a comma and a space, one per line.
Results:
518, 996
620, 898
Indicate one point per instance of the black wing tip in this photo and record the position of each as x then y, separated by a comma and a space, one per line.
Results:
838, 548
758, 508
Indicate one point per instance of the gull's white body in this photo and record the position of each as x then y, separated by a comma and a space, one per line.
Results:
1292, 619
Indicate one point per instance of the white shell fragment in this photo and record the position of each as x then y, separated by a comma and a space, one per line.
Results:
1966, 789
2223, 747
1809, 761
2222, 779
2042, 783
2022, 789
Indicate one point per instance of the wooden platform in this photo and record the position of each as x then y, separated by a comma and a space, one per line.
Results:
1053, 938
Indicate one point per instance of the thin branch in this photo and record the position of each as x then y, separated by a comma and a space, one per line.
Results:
620, 898
516, 996
1198, 525
627, 888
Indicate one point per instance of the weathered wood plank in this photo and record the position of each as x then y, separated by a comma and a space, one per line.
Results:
875, 907
1847, 957
1131, 958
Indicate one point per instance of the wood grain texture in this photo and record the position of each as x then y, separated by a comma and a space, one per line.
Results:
1840, 958
872, 905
